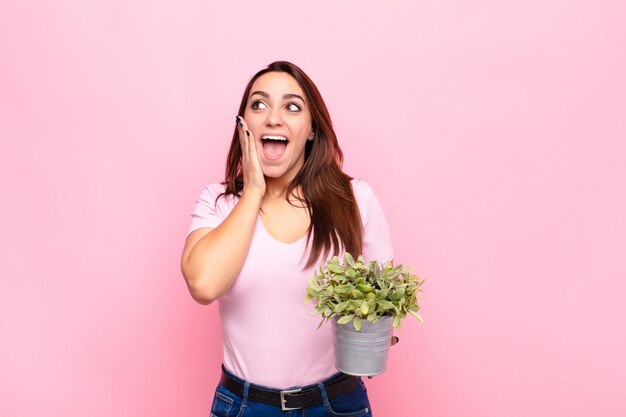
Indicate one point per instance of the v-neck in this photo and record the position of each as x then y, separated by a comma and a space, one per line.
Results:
267, 232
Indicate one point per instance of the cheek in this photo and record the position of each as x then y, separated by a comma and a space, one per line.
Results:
253, 120
304, 127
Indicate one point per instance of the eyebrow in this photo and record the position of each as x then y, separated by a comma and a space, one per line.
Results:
285, 96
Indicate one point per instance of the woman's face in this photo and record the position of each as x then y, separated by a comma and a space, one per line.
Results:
280, 120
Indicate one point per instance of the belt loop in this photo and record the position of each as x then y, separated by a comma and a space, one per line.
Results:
246, 391
322, 389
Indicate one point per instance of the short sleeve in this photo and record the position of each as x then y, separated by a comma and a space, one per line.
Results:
376, 237
209, 210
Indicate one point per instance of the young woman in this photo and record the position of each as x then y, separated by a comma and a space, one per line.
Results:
284, 208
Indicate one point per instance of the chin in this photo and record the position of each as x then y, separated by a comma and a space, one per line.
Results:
279, 170
273, 172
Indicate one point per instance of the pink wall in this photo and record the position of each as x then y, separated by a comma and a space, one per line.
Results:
494, 135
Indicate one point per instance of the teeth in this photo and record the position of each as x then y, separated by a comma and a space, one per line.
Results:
272, 137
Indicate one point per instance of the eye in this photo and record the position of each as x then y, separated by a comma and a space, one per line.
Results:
258, 105
293, 107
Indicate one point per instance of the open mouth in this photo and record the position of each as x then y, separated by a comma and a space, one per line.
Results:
274, 146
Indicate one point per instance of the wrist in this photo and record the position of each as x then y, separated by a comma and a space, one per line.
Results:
252, 196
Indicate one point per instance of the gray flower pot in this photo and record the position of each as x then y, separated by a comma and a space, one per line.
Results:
364, 352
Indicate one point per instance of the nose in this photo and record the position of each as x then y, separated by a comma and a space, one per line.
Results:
274, 117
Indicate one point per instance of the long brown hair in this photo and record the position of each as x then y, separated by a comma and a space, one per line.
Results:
326, 190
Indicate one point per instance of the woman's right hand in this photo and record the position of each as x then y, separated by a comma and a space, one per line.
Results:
213, 257
253, 178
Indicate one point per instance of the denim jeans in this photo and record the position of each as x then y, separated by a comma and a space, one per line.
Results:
351, 404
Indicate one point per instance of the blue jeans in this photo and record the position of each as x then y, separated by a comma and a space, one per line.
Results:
351, 404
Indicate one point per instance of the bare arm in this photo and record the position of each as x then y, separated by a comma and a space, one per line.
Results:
212, 258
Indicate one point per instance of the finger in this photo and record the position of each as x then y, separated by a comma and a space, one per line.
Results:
251, 147
244, 136
249, 143
394, 340
242, 139
249, 139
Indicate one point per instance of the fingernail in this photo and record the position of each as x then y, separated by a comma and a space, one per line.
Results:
247, 132
239, 121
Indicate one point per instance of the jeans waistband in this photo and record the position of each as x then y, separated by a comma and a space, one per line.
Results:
291, 398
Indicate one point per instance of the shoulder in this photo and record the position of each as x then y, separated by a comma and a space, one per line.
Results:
213, 194
214, 189
362, 190
366, 200
376, 236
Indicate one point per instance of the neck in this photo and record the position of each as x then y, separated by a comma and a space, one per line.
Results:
276, 187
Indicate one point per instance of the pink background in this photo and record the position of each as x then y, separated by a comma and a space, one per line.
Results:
494, 135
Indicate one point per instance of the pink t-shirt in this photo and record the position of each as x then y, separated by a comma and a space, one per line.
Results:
269, 334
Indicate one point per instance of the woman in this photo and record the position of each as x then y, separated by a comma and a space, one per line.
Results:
284, 208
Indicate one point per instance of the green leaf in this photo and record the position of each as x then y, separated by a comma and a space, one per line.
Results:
311, 292
341, 306
357, 323
343, 289
396, 322
417, 316
357, 294
364, 307
345, 319
413, 307
341, 278
335, 269
364, 288
347, 258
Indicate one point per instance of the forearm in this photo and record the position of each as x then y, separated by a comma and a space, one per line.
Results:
216, 259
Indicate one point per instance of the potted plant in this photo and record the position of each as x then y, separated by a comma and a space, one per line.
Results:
364, 302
